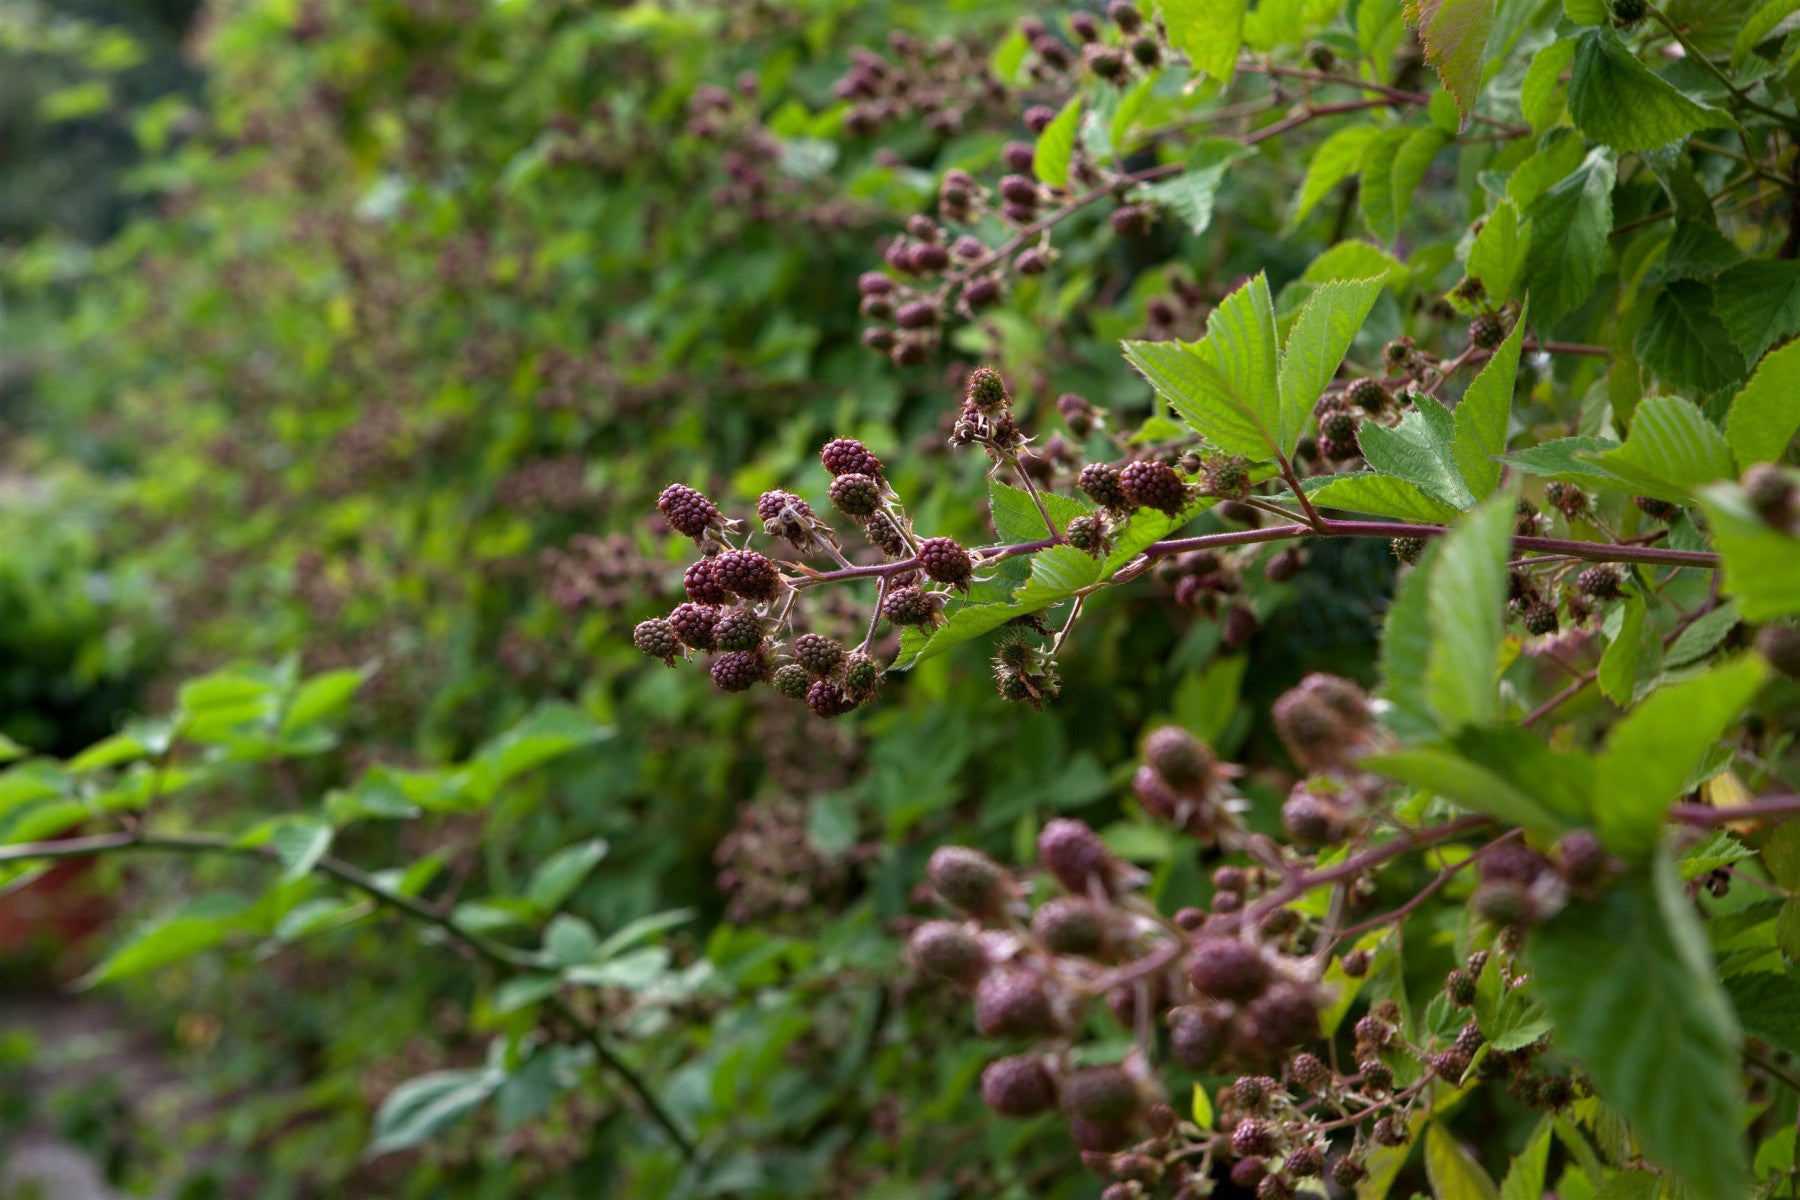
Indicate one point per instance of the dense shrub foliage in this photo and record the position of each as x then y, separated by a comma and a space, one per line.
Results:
952, 599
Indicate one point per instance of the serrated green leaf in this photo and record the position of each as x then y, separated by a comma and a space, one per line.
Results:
1762, 564
1758, 302
1542, 95
1684, 341
1056, 146
1405, 651
1315, 348
1453, 1173
1223, 386
1702, 637
1759, 26
1381, 496
1190, 194
1670, 449
1768, 1004
1569, 459
1618, 673
1619, 102
322, 696
961, 625
1483, 415
1650, 753
299, 844
1498, 253
195, 927
1333, 160
1466, 606
1525, 1177
1443, 771
1570, 225
1455, 36
1209, 32
1766, 413
1419, 450
1630, 985
1561, 153
1016, 516
557, 877
1354, 259
1380, 207
421, 1108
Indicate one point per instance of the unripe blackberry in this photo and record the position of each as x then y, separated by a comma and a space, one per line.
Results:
1407, 549
1072, 852
656, 638
1347, 1172
1153, 484
1335, 451
1540, 618
947, 950
862, 674
1183, 760
818, 653
1769, 492
1238, 627
1377, 1076
981, 292
910, 605
874, 283
1125, 15
1284, 565
877, 308
1502, 902
737, 671
1310, 820
986, 390
790, 681
1252, 1137
1247, 1173
1089, 534
703, 584
1226, 476
1226, 968
1146, 50
686, 510
1069, 925
945, 560
1469, 1039
884, 534
1227, 902
1339, 426
1459, 985
878, 338
1486, 332
1104, 1095
1627, 12
1310, 1072
1196, 1037
1011, 1002
749, 574
916, 314
967, 879
1017, 189
827, 698
1092, 1137
1368, 394
1018, 157
775, 507
1555, 1091
926, 258
1230, 879
847, 456
856, 495
1582, 857
1601, 582
1657, 510
1019, 1086
1107, 63
1566, 498
1305, 1162
1032, 260
1275, 1187
1450, 1066
1282, 1017
1355, 963
1251, 1092
693, 624
1101, 483
1128, 220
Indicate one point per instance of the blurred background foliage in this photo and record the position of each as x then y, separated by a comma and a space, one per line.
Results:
363, 333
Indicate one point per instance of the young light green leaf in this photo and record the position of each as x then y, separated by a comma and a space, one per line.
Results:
1541, 95
111, 752
1766, 413
1467, 608
193, 928
299, 843
548, 733
1619, 102
321, 697
1455, 36
557, 877
1498, 252
1571, 460
1223, 386
1618, 673
1056, 146
1671, 449
1483, 415
1380, 207
1320, 338
1684, 341
1405, 651
1650, 753
1630, 985
1454, 1174
1762, 564
1525, 1177
1190, 194
1570, 225
1444, 771
1355, 259
1381, 496
1209, 32
1587, 12
1334, 160
1420, 451
1016, 515
423, 1107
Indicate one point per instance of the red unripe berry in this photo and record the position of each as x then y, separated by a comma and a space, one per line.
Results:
945, 560
1225, 968
1020, 1086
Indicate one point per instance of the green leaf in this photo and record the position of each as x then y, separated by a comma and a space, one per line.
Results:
1671, 449
322, 696
1017, 518
299, 843
1766, 413
1702, 637
1444, 771
1405, 651
1393, 165
961, 625
10, 750
1617, 101
1569, 459
1455, 35
1209, 32
117, 749
1190, 194
1223, 386
1454, 1174
1056, 145
1650, 753
1316, 346
557, 877
1333, 160
1382, 496
421, 1108
1353, 259
1498, 252
1483, 414
1570, 225
1419, 450
1525, 1177
1467, 610
1201, 1106
1762, 564
1587, 12
1685, 343
1758, 27
549, 733
1542, 95
1781, 855
1618, 674
1629, 983
1769, 1006
1759, 303
195, 927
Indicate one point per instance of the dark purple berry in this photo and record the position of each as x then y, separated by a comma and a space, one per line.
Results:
1486, 332
1225, 968
693, 624
737, 629
916, 314
818, 653
1602, 582
949, 951
1011, 1002
847, 456
862, 674
1540, 618
884, 535
1100, 482
1103, 1095
1370, 395
703, 583
1183, 760
737, 671
687, 511
1072, 852
1069, 925
1252, 1137
1129, 220
1196, 1037
856, 495
910, 605
945, 560
1020, 1086
1284, 1016
826, 697
1407, 549
967, 879
1566, 498
1153, 484
749, 574
657, 639
1657, 510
